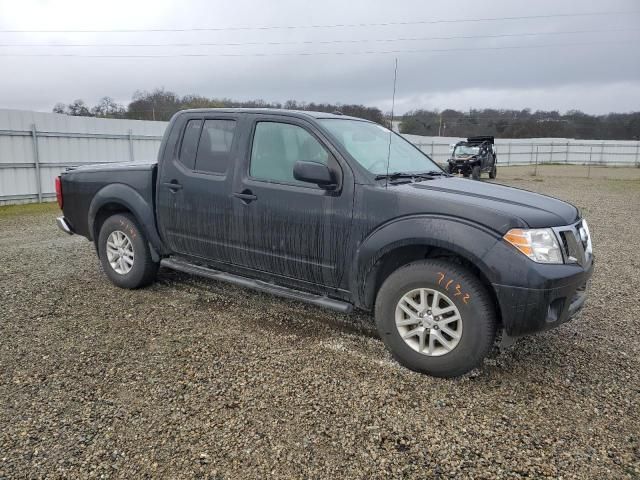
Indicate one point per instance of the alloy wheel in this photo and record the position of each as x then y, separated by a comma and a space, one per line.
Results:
120, 252
429, 322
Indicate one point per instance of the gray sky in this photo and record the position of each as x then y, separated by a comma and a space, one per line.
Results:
596, 70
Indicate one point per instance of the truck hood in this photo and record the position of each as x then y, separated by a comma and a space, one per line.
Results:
494, 206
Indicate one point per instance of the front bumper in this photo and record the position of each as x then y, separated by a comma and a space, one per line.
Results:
463, 166
528, 310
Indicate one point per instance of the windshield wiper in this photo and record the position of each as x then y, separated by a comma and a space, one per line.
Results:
394, 175
412, 176
433, 173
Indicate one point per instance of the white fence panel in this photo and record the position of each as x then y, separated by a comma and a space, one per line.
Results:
35, 147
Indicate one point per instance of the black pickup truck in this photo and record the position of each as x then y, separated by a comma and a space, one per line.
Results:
338, 212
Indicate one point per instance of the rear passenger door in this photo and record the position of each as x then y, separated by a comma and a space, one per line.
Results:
287, 227
194, 188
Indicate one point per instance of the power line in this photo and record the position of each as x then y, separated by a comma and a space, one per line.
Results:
337, 25
308, 54
311, 42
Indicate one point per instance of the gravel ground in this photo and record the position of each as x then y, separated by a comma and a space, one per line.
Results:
193, 378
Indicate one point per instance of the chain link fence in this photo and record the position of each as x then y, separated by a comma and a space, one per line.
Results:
543, 151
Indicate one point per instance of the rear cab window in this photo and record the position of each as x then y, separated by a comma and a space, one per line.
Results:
207, 145
189, 145
214, 149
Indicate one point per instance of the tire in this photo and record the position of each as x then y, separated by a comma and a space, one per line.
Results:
134, 267
476, 328
475, 172
494, 172
448, 169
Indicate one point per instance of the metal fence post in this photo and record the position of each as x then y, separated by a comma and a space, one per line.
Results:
431, 148
551, 154
602, 153
637, 154
531, 154
590, 156
509, 154
131, 146
535, 172
566, 154
36, 159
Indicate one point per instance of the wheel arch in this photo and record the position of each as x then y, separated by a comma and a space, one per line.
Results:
389, 247
120, 198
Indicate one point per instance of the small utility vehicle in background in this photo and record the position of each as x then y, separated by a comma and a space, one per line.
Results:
473, 157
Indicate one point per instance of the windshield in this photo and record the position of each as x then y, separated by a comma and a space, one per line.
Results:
465, 150
368, 144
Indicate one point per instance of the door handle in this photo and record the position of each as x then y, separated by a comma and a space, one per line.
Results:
246, 196
173, 186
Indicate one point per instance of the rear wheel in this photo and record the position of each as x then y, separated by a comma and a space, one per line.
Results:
124, 252
475, 172
494, 171
435, 317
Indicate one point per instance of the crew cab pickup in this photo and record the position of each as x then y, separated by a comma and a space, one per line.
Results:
342, 213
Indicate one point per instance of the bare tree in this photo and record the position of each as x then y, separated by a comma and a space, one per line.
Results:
107, 107
78, 108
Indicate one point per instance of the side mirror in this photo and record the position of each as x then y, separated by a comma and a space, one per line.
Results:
314, 172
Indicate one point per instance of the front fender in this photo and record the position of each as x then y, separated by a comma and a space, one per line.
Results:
142, 210
466, 239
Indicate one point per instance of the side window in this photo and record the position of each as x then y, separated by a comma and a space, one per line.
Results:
278, 146
215, 146
190, 143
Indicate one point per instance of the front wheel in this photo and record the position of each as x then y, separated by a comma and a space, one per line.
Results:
475, 172
124, 252
436, 317
494, 172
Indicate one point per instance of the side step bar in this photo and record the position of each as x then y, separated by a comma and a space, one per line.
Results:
259, 285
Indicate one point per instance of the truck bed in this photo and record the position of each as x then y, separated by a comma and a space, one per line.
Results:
81, 185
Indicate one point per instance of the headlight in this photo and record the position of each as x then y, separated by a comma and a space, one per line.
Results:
539, 244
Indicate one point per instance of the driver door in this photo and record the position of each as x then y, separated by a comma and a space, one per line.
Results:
290, 228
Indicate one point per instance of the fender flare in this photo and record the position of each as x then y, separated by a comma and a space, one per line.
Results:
129, 198
469, 240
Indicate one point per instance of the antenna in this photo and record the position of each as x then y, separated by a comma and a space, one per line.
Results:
393, 104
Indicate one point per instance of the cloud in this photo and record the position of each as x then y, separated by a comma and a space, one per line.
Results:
596, 72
